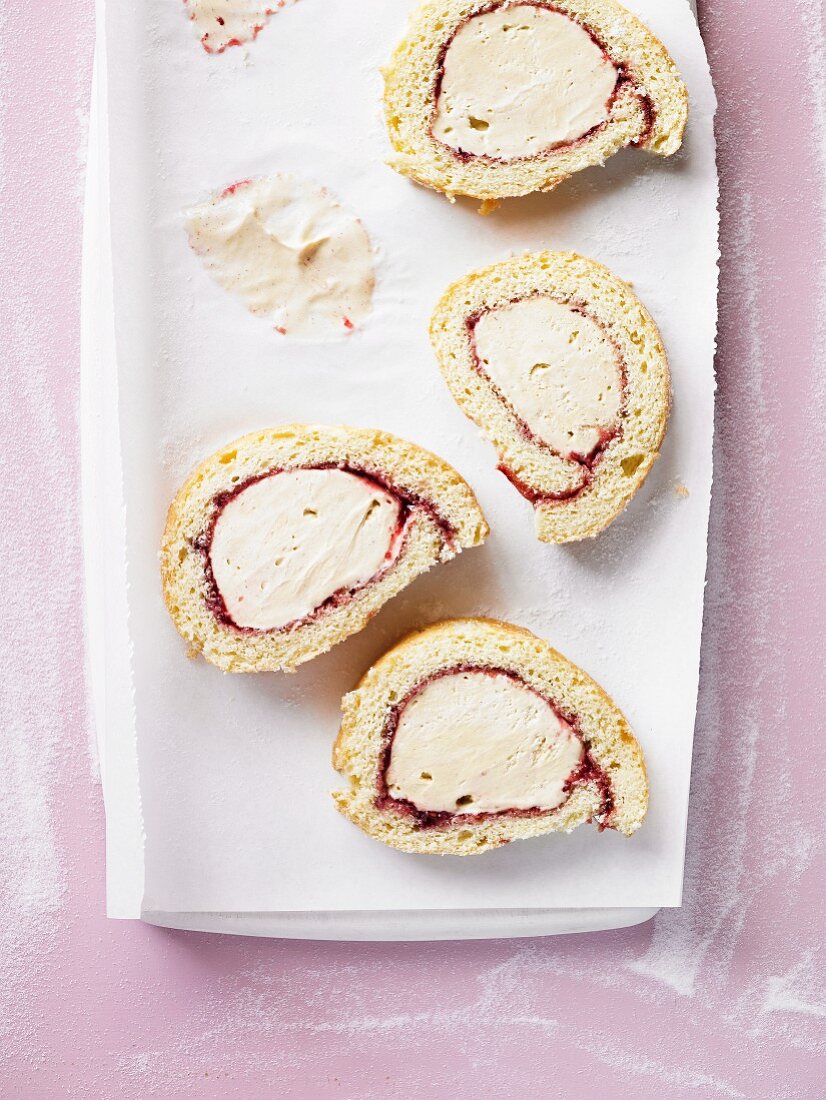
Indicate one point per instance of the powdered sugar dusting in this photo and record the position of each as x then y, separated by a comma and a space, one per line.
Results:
795, 992
480, 1023
814, 54
40, 680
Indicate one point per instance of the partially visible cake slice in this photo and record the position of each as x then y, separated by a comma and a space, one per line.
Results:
499, 99
287, 541
563, 369
473, 733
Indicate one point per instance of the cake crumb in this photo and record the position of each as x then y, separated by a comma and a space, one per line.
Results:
681, 490
488, 206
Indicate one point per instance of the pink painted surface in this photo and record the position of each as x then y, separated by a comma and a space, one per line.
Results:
725, 997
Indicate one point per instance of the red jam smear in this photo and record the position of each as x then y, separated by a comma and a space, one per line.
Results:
587, 463
588, 771
408, 503
624, 78
233, 187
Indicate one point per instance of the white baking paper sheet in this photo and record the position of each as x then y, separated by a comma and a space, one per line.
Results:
234, 772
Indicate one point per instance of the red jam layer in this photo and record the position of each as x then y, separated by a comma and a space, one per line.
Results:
624, 79
587, 463
409, 502
589, 771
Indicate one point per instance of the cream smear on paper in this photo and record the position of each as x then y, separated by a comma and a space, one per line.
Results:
557, 369
223, 23
290, 251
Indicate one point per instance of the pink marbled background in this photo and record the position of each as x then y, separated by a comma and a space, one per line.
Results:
725, 996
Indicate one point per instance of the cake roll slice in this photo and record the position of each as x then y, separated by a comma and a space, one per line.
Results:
287, 541
473, 733
499, 99
563, 369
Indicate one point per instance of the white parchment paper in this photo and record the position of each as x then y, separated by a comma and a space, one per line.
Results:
235, 772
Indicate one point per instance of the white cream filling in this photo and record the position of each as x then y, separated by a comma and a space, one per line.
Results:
556, 368
285, 544
222, 23
290, 251
520, 80
478, 742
